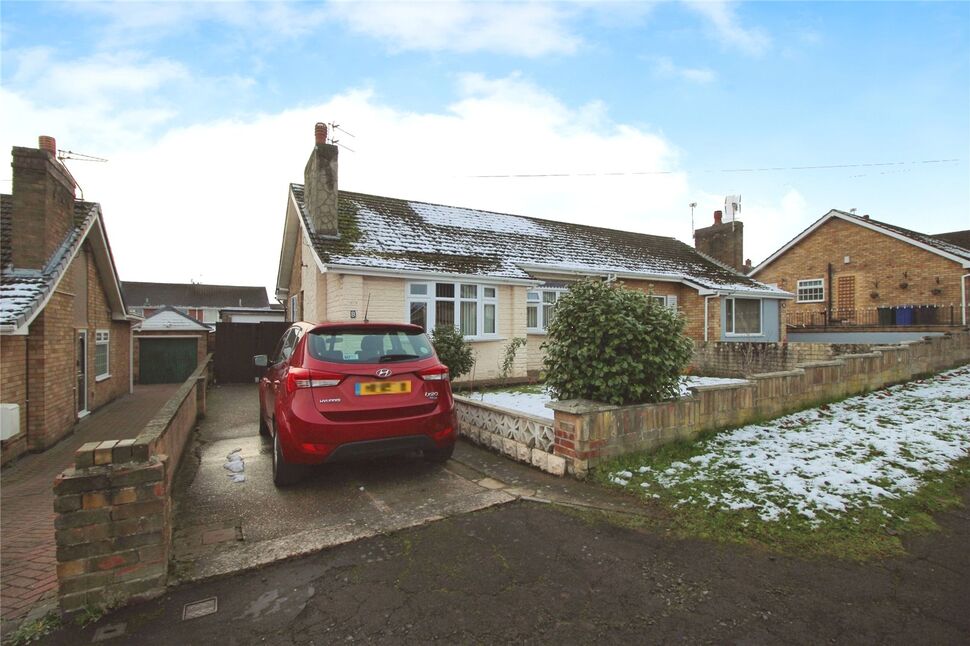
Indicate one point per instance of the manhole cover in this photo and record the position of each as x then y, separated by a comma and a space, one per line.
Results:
109, 632
198, 609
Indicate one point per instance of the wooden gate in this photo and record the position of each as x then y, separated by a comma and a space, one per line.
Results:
238, 343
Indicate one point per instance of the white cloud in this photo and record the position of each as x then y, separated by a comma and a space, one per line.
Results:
525, 29
665, 67
207, 202
726, 26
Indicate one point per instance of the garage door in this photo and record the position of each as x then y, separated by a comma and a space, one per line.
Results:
166, 361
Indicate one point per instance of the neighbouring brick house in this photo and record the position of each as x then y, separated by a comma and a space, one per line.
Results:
201, 302
65, 336
853, 270
493, 276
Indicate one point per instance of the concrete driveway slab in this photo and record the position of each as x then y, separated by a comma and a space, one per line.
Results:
257, 523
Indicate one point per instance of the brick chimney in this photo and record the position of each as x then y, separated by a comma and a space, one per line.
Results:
320, 184
43, 204
723, 241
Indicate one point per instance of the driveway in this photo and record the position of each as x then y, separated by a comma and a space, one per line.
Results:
231, 521
227, 521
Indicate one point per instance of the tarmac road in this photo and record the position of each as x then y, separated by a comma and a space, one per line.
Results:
526, 572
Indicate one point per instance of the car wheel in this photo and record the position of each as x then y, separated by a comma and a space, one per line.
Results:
439, 455
284, 473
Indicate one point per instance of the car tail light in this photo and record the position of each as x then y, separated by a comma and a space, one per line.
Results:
436, 373
302, 378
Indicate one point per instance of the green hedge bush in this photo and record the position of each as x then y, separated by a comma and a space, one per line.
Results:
453, 350
614, 345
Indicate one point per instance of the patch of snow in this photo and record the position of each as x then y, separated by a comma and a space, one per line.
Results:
451, 216
831, 460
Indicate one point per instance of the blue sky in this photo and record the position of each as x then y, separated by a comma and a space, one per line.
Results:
206, 112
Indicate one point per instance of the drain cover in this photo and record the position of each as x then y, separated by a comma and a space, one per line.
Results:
111, 631
198, 609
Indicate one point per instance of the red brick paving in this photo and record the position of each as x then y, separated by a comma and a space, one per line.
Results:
28, 562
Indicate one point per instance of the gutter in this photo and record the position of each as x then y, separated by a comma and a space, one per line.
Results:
427, 275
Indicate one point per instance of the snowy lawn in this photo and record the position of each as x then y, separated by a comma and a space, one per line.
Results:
532, 399
842, 479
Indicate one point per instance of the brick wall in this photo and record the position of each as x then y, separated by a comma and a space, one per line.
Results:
114, 507
13, 390
878, 262
735, 359
588, 433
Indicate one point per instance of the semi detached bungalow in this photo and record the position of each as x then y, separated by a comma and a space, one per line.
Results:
493, 276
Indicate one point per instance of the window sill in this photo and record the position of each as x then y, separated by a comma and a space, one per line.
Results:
483, 339
536, 332
731, 335
821, 301
100, 378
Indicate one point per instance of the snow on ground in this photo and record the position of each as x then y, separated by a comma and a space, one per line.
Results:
533, 399
828, 461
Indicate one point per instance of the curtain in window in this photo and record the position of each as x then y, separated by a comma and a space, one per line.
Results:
747, 316
489, 319
469, 318
419, 315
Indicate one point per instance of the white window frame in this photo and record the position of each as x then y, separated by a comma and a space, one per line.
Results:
810, 284
102, 338
734, 311
429, 299
539, 304
294, 304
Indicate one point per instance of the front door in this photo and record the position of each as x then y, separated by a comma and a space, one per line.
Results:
81, 369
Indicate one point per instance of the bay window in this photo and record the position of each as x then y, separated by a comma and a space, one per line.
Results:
471, 308
742, 316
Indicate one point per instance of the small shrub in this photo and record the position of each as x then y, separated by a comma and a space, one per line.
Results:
453, 350
35, 630
614, 345
508, 359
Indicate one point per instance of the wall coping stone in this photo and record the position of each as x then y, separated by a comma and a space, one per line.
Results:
797, 372
821, 364
706, 387
158, 424
582, 406
507, 411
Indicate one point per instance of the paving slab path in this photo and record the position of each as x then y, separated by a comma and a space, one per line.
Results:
27, 550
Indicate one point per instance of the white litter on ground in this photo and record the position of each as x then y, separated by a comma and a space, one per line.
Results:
828, 461
534, 402
235, 465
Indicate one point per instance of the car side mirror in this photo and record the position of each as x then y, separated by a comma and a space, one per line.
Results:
261, 360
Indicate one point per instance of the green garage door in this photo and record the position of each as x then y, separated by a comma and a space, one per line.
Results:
166, 361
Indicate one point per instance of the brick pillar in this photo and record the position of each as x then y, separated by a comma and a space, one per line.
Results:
113, 526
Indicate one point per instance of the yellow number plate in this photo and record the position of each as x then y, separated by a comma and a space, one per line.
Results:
382, 388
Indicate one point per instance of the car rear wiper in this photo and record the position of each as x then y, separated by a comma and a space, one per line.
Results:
397, 357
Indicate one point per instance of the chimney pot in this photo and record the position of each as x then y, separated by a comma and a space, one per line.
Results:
718, 217
320, 133
47, 143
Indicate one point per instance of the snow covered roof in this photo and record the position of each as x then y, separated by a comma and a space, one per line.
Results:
25, 292
958, 238
934, 244
383, 233
170, 319
138, 294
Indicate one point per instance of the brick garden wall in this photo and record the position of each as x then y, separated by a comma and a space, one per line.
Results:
737, 359
587, 433
114, 507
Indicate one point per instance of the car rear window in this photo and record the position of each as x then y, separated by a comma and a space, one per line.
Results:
368, 346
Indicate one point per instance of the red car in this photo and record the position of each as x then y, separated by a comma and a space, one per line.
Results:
339, 391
